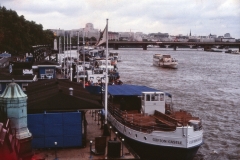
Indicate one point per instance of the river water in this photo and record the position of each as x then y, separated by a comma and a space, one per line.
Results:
207, 84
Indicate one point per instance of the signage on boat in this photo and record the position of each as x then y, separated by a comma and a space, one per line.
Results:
195, 140
167, 141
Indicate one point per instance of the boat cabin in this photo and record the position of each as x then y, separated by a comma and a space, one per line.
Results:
157, 56
115, 57
94, 53
152, 101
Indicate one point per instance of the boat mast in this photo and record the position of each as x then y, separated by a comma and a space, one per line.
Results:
77, 56
67, 58
64, 63
70, 57
83, 60
106, 78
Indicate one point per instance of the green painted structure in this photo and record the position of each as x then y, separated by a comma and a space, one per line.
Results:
13, 104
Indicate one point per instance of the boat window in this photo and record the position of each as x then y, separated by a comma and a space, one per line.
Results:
145, 138
148, 97
161, 97
136, 135
152, 97
155, 97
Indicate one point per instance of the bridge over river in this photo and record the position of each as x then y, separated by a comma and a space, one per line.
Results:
41, 51
132, 44
174, 45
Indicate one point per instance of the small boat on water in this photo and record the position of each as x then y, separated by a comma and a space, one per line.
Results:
164, 61
145, 117
94, 71
232, 51
115, 56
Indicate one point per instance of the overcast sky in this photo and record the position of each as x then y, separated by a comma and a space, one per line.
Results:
175, 17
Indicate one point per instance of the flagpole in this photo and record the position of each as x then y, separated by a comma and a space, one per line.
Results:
70, 48
77, 57
106, 78
67, 58
71, 57
64, 56
83, 60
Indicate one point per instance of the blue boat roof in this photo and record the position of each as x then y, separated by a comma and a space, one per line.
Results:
130, 90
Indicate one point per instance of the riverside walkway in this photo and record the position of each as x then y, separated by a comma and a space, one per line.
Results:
93, 130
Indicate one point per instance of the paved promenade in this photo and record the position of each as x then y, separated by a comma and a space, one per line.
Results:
93, 130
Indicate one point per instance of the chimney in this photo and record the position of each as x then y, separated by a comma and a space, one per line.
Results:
71, 91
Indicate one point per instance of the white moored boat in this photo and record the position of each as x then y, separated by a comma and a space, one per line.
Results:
164, 61
146, 118
115, 56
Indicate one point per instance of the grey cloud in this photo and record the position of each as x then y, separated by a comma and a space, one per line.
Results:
172, 16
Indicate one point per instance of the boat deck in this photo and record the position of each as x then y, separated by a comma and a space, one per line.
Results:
148, 123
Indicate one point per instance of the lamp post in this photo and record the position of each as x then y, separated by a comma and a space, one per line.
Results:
110, 132
58, 56
83, 60
91, 148
55, 144
71, 70
122, 147
95, 115
98, 118
101, 90
116, 136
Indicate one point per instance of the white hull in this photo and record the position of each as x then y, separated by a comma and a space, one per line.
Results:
159, 63
175, 139
169, 64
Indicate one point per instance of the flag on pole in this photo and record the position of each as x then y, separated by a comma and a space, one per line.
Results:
102, 38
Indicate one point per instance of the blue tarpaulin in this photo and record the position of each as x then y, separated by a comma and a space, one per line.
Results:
130, 90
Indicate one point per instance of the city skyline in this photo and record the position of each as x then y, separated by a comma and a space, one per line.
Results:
175, 17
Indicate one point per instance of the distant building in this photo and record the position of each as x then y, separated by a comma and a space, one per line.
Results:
138, 36
193, 39
158, 36
125, 36
181, 38
206, 39
228, 39
114, 36
227, 35
88, 31
212, 36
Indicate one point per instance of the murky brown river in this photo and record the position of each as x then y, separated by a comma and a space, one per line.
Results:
206, 83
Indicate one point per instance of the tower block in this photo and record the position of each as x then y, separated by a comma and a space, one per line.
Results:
14, 105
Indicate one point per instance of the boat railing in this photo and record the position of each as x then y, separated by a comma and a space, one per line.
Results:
138, 121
